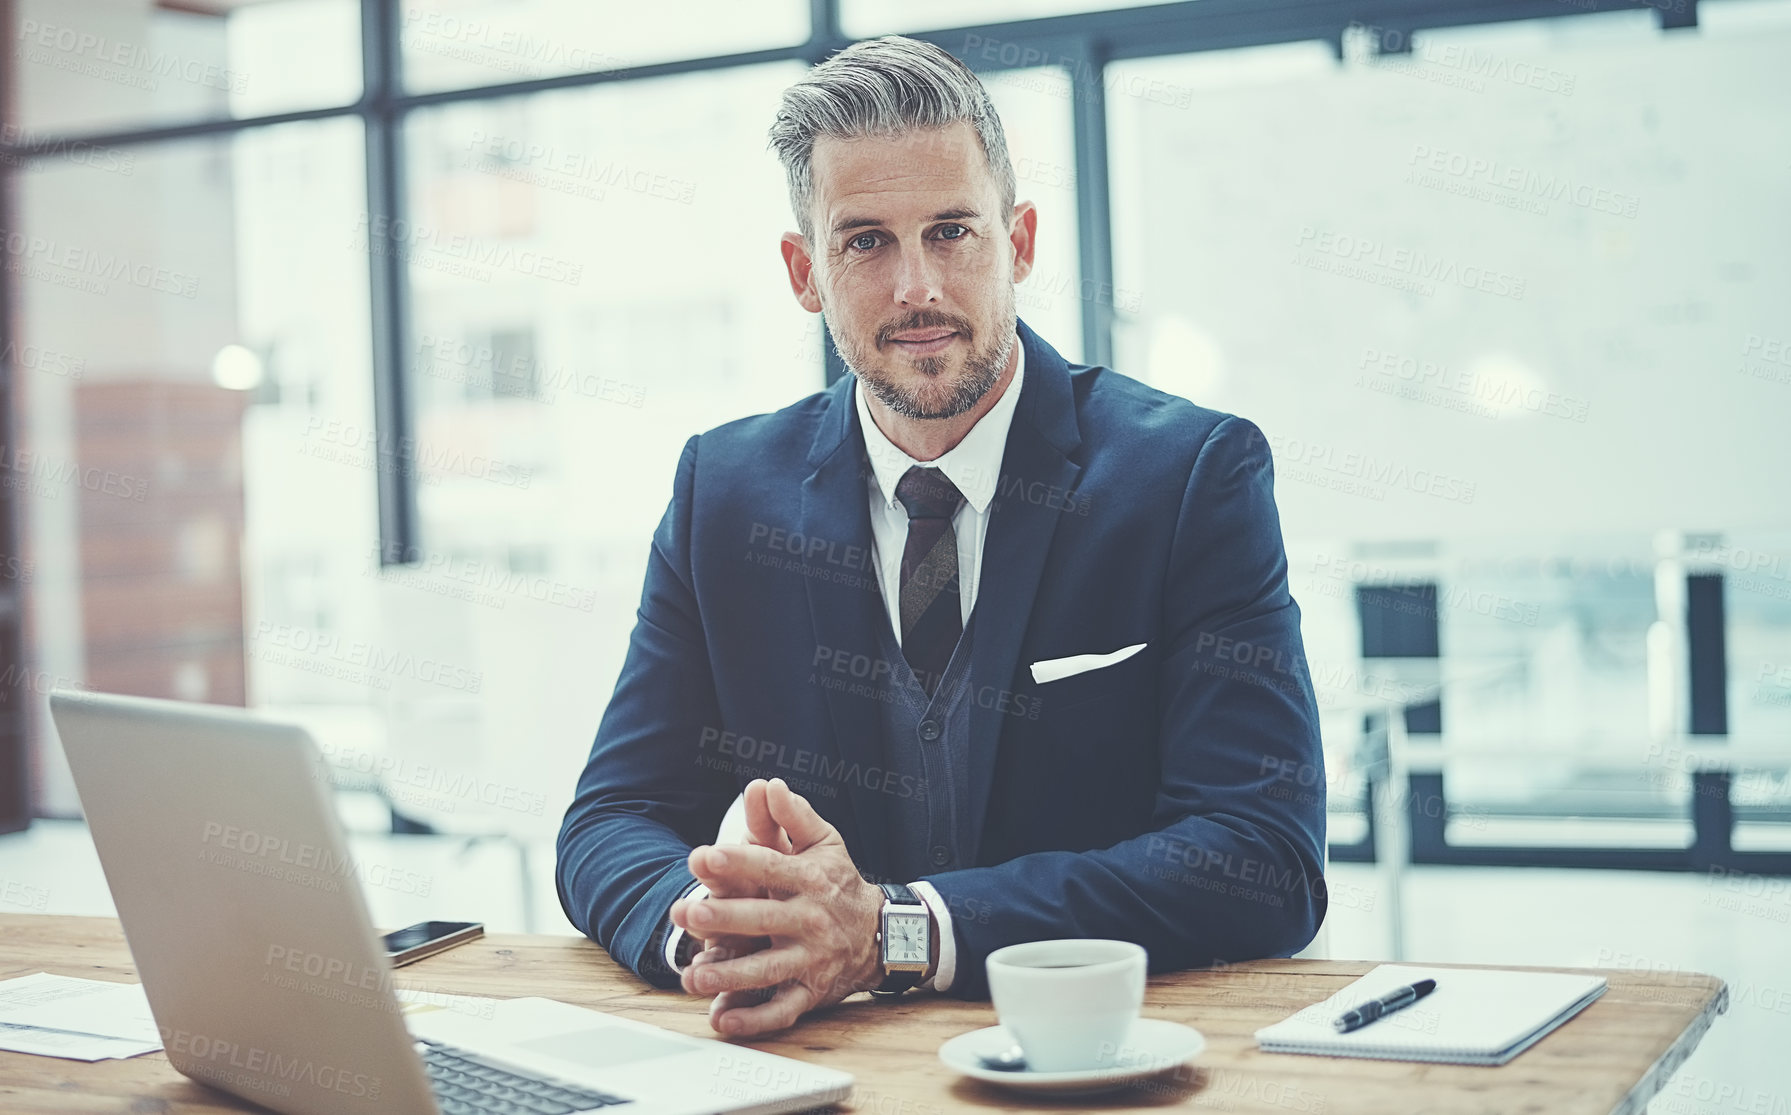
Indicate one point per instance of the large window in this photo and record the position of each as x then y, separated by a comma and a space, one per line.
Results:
84, 66
1511, 258
594, 277
459, 43
192, 349
1498, 302
865, 18
377, 327
1035, 104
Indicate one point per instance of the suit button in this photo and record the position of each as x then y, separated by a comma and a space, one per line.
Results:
941, 857
929, 730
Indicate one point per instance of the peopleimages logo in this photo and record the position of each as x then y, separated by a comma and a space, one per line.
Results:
480, 582
566, 171
425, 245
1464, 390
252, 1067
307, 865
37, 358
85, 52
1743, 559
90, 270
438, 786
19, 467
23, 895
500, 46
321, 652
111, 160
1518, 181
1402, 268
328, 968
1116, 82
360, 446
487, 367
1362, 468
1395, 50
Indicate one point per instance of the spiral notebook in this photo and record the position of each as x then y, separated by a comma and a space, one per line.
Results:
1476, 1016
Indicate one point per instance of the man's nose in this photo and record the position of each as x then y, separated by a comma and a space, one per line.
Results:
917, 278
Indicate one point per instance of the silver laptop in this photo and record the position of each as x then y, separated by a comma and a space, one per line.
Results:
245, 916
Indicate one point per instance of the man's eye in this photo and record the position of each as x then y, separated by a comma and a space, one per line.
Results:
863, 242
957, 232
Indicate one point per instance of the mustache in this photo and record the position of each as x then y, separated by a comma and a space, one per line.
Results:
925, 319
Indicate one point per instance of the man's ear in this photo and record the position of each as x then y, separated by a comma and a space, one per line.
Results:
1023, 234
801, 268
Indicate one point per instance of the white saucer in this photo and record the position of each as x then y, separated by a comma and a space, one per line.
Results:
1153, 1046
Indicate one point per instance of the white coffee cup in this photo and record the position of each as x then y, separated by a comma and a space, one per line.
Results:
1069, 1003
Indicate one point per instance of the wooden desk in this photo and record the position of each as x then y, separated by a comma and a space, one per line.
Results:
1611, 1058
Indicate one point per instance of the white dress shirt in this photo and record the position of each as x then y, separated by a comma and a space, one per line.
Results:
974, 466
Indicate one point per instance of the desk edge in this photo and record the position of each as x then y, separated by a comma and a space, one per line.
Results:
1654, 1081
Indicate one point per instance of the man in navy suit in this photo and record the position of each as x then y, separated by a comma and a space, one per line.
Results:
995, 648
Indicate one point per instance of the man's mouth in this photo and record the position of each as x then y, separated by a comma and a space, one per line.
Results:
923, 342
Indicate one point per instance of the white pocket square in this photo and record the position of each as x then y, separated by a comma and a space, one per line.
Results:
1056, 669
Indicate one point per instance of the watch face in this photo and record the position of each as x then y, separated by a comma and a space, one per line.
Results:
905, 940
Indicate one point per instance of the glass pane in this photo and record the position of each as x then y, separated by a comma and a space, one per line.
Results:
1756, 569
1742, 17
1034, 106
596, 277
183, 329
83, 66
453, 44
1546, 652
1472, 308
1356, 696
864, 18
1502, 295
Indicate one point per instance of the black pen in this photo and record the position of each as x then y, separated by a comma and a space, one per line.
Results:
1385, 1005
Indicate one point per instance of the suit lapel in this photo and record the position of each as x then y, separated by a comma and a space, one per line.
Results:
1036, 473
836, 510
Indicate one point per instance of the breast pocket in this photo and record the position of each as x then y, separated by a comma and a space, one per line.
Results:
1125, 679
1093, 748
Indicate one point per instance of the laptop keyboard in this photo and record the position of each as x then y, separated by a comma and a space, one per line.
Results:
465, 1086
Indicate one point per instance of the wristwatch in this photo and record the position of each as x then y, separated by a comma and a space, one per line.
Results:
904, 939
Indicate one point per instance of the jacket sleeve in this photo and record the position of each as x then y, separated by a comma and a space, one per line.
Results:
1233, 868
646, 797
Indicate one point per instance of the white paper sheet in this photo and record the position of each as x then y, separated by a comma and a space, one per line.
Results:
81, 1019
74, 1047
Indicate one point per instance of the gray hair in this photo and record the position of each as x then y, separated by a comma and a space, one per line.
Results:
884, 87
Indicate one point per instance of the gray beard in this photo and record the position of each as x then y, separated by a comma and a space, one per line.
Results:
982, 369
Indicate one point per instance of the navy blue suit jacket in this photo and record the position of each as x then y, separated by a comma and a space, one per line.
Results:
1174, 799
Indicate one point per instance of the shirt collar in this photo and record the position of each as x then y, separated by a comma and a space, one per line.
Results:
973, 465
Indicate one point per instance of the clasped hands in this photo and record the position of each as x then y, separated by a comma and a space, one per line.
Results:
789, 924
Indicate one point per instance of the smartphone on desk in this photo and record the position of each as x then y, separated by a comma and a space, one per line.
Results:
426, 938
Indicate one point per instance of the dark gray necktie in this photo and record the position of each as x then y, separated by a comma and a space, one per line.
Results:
932, 617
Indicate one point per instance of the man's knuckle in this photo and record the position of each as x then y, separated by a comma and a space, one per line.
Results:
800, 998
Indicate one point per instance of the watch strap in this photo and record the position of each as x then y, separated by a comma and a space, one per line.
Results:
900, 894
